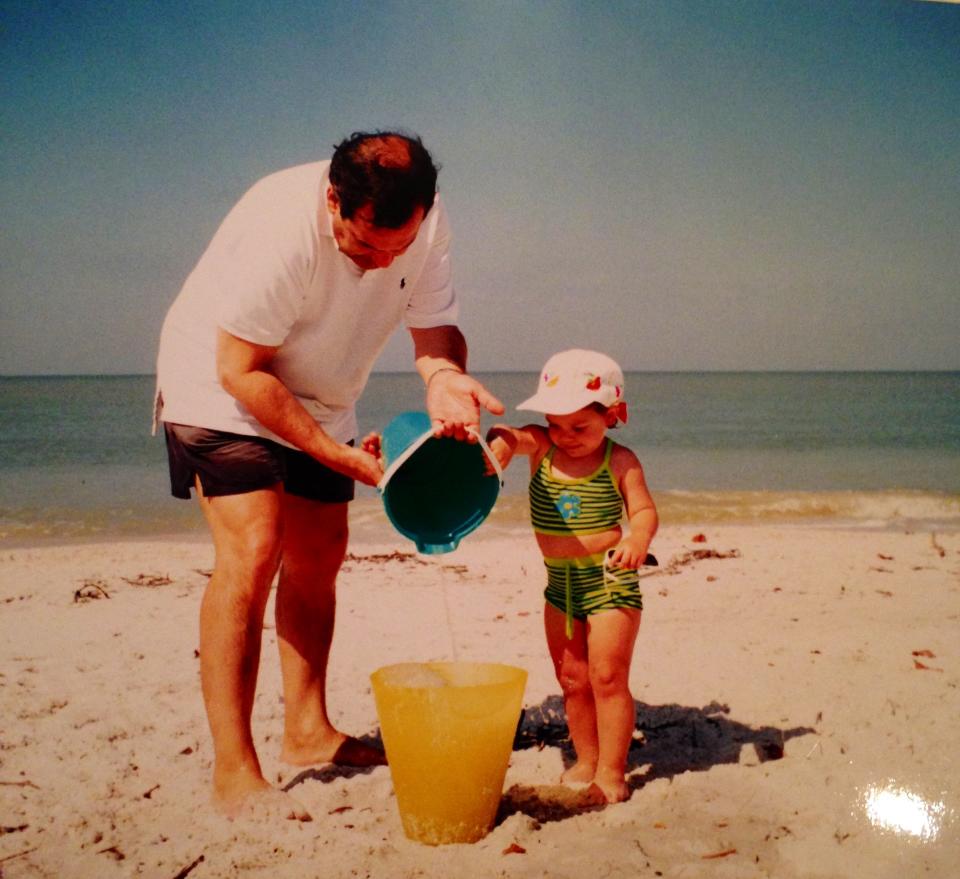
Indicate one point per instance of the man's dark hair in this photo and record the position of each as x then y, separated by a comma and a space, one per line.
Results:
391, 171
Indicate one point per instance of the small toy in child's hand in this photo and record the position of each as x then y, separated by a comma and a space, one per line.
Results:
649, 562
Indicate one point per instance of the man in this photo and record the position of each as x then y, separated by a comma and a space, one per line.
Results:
262, 357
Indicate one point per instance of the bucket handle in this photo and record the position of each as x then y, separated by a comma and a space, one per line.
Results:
492, 458
402, 458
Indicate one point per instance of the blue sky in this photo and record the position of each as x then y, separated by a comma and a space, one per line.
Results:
686, 185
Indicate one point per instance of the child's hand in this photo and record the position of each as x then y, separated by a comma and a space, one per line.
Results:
629, 553
500, 444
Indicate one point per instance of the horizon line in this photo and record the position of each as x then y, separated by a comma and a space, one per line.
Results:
712, 371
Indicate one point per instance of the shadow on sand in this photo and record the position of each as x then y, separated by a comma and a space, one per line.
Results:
670, 740
330, 772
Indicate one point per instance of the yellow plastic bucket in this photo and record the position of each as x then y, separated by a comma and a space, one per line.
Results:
448, 730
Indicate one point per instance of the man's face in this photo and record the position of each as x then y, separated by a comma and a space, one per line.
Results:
370, 246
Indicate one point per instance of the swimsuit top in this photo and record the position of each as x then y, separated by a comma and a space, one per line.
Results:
589, 505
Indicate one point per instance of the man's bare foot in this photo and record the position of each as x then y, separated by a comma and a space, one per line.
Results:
579, 773
342, 750
247, 797
271, 805
612, 787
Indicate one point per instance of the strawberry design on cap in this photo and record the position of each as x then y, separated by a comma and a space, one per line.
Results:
573, 379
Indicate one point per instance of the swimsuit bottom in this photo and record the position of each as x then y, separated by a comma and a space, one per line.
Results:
586, 585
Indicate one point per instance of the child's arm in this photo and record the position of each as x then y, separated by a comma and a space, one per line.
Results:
506, 441
641, 510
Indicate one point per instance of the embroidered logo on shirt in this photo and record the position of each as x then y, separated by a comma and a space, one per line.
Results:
568, 505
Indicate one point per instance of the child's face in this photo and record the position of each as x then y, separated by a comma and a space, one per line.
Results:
580, 433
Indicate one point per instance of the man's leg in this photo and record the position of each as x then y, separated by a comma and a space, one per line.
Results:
246, 537
314, 545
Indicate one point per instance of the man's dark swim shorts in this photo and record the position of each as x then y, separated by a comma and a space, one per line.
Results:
231, 463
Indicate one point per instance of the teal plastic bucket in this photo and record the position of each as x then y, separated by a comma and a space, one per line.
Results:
435, 490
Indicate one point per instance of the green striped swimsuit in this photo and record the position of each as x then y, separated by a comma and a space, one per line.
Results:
593, 504
588, 505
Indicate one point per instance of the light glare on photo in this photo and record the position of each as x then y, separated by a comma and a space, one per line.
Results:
902, 811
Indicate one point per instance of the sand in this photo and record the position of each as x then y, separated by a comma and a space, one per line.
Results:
796, 688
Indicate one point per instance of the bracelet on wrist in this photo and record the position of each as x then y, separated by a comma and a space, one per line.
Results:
434, 374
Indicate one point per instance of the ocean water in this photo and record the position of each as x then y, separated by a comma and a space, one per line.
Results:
882, 450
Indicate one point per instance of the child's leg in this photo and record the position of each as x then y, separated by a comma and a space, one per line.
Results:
570, 665
611, 636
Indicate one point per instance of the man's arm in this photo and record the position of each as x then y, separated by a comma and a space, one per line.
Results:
439, 348
453, 397
243, 369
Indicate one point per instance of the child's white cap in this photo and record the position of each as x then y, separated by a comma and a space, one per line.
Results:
576, 378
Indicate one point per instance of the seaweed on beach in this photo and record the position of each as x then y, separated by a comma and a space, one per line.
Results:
91, 590
148, 580
697, 555
382, 558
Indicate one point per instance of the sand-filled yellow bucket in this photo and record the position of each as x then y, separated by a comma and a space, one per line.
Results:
448, 730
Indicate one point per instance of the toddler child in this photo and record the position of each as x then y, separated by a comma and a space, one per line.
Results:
580, 483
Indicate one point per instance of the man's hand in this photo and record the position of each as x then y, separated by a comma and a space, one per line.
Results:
453, 403
361, 464
371, 443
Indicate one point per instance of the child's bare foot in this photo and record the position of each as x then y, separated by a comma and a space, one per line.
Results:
245, 796
579, 773
341, 749
611, 786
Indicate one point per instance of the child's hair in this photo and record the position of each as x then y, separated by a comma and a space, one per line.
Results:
600, 408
